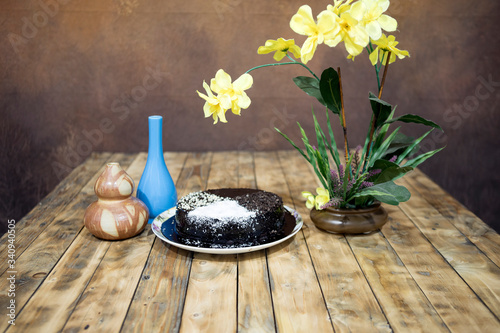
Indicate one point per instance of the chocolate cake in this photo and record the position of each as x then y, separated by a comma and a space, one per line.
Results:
231, 217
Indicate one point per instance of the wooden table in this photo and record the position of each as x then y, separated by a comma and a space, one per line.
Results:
434, 267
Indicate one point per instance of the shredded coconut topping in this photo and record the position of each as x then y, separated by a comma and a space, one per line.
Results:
222, 210
198, 199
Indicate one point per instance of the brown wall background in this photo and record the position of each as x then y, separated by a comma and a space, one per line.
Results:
72, 81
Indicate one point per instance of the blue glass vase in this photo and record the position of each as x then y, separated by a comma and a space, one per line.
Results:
156, 187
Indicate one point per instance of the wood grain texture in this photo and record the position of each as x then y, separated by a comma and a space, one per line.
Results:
478, 271
299, 305
105, 301
478, 232
159, 299
36, 221
351, 303
211, 299
432, 268
211, 296
255, 308
106, 298
406, 307
450, 296
54, 301
37, 261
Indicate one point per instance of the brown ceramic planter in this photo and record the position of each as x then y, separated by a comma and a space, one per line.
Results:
350, 221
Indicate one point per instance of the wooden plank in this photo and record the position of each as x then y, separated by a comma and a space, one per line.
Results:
159, 299
104, 303
246, 170
298, 303
478, 271
51, 305
478, 232
452, 298
404, 304
255, 309
106, 298
211, 295
56, 298
36, 262
175, 163
351, 303
35, 222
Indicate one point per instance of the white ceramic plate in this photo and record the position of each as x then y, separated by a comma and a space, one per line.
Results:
168, 237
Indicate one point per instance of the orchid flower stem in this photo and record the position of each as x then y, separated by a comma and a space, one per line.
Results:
293, 62
303, 65
381, 88
344, 126
369, 48
374, 118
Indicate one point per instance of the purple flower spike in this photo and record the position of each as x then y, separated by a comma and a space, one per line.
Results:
393, 159
373, 172
365, 184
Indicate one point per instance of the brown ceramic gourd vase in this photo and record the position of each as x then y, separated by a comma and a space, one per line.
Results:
350, 221
116, 214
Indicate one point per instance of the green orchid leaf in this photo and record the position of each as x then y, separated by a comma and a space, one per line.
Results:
323, 166
313, 162
400, 193
413, 118
400, 143
382, 131
381, 110
311, 87
388, 192
390, 171
378, 195
379, 151
413, 147
347, 171
329, 87
421, 158
313, 158
333, 144
320, 137
293, 144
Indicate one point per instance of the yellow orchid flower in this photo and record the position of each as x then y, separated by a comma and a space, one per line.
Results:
384, 45
339, 6
369, 14
222, 85
318, 201
303, 23
322, 198
280, 47
354, 36
310, 199
215, 106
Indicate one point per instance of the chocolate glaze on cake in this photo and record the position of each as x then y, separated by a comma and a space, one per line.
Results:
230, 217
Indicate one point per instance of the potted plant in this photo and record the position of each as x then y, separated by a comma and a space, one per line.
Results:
353, 185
